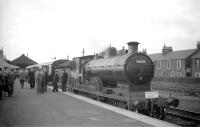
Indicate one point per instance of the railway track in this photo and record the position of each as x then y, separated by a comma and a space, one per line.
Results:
178, 116
188, 115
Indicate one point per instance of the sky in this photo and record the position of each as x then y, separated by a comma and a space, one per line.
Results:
45, 29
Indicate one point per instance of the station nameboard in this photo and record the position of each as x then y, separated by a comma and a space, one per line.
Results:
151, 94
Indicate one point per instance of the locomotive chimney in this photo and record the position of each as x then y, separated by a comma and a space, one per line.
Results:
133, 47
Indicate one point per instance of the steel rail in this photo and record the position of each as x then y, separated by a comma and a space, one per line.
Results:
194, 116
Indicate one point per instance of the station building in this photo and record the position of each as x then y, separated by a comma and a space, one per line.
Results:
23, 61
182, 63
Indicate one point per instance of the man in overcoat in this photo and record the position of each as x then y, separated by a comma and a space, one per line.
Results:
31, 77
55, 82
11, 81
22, 77
64, 79
38, 81
46, 79
6, 87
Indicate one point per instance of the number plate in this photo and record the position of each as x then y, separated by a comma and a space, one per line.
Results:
152, 94
140, 61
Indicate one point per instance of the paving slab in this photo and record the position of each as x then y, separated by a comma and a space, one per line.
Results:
54, 109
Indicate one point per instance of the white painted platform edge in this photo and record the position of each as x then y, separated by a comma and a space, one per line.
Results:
132, 115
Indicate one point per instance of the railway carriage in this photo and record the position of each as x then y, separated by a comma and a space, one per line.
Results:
50, 67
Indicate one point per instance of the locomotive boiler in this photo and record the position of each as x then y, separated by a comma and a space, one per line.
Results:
133, 71
122, 80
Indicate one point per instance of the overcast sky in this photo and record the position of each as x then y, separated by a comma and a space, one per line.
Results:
48, 28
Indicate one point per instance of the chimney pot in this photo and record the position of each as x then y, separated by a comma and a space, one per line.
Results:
166, 50
133, 47
198, 44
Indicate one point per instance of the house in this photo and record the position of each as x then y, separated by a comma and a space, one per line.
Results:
196, 62
171, 63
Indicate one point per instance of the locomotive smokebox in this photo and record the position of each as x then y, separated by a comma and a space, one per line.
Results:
133, 47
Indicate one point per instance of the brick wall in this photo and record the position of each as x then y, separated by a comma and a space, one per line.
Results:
195, 68
166, 72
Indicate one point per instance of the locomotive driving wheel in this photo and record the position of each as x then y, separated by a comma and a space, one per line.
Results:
96, 83
160, 113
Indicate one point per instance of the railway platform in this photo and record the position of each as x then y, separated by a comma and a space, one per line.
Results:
28, 109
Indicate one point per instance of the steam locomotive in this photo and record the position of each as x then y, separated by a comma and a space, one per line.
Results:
121, 80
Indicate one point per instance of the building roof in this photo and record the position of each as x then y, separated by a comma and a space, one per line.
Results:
181, 54
40, 65
196, 55
54, 63
4, 64
23, 61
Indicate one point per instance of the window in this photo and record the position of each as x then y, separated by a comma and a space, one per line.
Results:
168, 64
197, 74
172, 74
188, 74
159, 64
178, 74
178, 63
197, 63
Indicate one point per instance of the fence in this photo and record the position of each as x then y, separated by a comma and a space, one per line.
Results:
187, 80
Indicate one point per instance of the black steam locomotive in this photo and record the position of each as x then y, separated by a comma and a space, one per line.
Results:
121, 80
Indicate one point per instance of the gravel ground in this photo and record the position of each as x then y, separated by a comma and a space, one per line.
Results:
190, 102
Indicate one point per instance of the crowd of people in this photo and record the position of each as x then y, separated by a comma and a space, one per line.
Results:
41, 79
36, 78
7, 80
